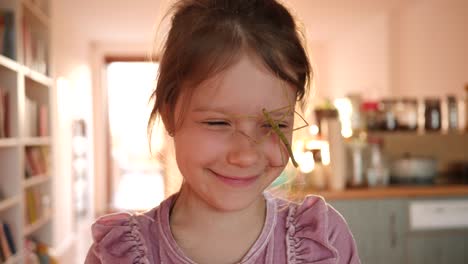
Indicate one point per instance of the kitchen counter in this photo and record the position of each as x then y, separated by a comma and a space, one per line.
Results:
387, 192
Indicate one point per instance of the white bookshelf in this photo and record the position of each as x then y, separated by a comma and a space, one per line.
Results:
25, 77
8, 142
36, 180
7, 203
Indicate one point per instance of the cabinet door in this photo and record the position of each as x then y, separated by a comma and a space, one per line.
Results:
378, 227
438, 231
439, 247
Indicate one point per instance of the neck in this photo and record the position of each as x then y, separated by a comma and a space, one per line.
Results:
198, 228
192, 212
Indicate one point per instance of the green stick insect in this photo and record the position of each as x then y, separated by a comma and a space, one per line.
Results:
275, 128
274, 124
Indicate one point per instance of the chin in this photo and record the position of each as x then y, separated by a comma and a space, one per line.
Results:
236, 202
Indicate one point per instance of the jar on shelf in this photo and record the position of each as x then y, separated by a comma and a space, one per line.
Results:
432, 114
466, 107
357, 123
372, 115
388, 110
406, 112
452, 113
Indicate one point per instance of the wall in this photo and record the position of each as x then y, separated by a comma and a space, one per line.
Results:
418, 49
68, 60
81, 30
359, 60
431, 48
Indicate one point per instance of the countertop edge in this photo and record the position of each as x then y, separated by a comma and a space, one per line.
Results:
385, 192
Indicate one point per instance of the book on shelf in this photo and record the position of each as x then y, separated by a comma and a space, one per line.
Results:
7, 244
34, 47
36, 119
34, 208
27, 49
36, 161
7, 33
43, 121
31, 214
4, 248
4, 113
2, 257
9, 237
30, 117
2, 31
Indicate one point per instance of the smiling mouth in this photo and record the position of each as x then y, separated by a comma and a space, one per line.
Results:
236, 181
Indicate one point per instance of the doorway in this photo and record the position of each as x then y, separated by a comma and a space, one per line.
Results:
136, 181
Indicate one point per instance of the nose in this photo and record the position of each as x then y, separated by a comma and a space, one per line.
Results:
244, 151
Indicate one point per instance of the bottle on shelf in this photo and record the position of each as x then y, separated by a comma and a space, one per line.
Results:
388, 108
357, 147
466, 107
377, 172
432, 114
452, 113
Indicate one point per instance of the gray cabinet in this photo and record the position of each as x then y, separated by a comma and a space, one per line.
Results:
378, 226
438, 247
440, 232
382, 233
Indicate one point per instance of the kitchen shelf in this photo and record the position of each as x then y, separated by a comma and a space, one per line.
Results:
420, 133
386, 192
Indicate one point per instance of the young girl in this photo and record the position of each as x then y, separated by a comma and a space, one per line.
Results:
230, 75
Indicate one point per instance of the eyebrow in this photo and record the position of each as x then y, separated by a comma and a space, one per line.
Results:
274, 114
281, 113
213, 109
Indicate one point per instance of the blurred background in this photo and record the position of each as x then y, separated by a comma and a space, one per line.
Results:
386, 141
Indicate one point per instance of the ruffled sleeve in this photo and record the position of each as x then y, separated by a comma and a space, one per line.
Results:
317, 234
117, 239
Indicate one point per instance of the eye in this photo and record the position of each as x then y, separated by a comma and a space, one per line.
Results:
216, 123
280, 125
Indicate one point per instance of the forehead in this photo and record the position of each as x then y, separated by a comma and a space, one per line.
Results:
246, 87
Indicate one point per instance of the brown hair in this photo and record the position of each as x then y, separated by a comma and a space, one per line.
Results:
207, 36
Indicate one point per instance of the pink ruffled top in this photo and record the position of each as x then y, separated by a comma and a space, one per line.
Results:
310, 232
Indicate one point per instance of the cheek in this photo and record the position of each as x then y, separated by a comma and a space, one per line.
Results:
197, 147
276, 150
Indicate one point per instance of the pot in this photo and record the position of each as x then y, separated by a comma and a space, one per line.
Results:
414, 170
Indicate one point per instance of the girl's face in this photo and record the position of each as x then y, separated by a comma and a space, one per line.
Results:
225, 148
